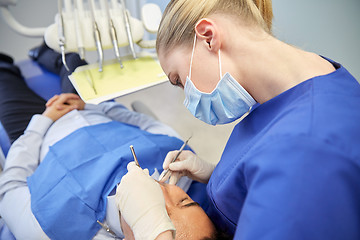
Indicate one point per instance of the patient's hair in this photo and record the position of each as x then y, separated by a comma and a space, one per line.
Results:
218, 235
177, 26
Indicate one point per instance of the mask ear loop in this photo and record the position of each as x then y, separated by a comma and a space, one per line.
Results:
220, 65
192, 56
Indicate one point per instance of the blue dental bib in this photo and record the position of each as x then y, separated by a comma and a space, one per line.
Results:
69, 188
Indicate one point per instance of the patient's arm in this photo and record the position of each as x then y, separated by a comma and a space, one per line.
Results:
23, 156
22, 161
119, 112
116, 112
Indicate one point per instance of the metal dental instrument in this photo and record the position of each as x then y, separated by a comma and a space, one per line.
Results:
128, 28
77, 10
165, 172
113, 35
61, 34
97, 37
106, 228
134, 155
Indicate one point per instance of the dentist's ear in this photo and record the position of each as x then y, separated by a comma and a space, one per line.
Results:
206, 31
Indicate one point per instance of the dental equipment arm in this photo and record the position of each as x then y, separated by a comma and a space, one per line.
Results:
4, 3
14, 24
142, 205
77, 26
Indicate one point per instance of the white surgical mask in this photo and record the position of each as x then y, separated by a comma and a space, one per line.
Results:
226, 103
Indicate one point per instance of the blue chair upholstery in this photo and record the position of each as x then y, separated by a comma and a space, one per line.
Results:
4, 140
41, 81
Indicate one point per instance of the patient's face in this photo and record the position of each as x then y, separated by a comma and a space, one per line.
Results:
190, 220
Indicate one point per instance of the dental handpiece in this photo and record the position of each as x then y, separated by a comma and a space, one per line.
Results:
97, 36
77, 11
61, 34
98, 46
112, 31
115, 42
128, 29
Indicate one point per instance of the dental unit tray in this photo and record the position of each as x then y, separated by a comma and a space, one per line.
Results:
96, 87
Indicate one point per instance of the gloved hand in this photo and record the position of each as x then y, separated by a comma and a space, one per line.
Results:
142, 205
187, 164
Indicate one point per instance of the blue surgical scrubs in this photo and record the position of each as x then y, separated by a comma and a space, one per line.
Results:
291, 169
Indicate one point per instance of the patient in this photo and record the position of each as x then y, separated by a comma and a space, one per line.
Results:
63, 167
188, 217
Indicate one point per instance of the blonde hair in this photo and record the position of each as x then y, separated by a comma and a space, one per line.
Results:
177, 26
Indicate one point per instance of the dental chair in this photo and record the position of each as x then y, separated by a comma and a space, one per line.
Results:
47, 84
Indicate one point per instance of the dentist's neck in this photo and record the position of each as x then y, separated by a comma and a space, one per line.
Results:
265, 66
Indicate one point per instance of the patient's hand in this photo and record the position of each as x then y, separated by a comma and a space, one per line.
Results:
58, 106
67, 99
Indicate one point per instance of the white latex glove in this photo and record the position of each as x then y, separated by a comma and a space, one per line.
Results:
142, 204
187, 164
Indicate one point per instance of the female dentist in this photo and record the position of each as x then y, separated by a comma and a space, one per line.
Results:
291, 168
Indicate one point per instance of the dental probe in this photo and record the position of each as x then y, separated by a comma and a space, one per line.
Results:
97, 36
134, 155
165, 172
61, 34
128, 29
113, 35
